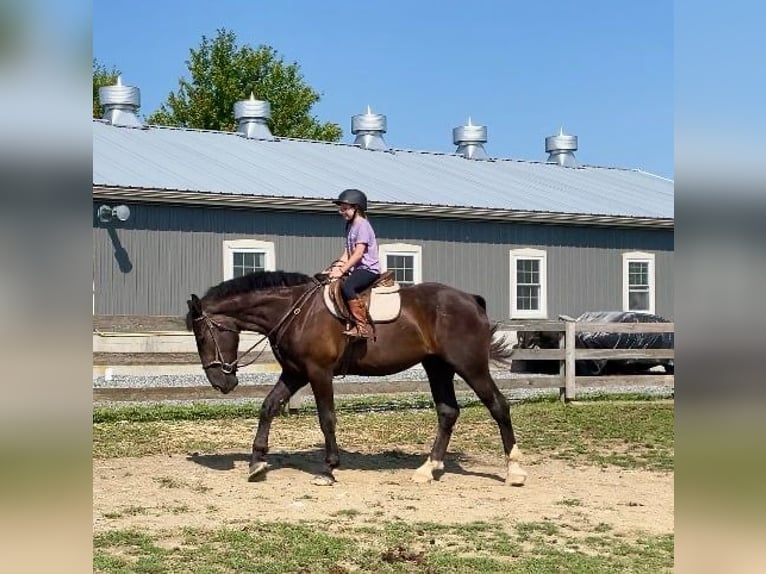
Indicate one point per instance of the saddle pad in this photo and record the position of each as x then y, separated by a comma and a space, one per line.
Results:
385, 303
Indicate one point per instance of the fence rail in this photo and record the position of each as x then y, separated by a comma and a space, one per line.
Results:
154, 343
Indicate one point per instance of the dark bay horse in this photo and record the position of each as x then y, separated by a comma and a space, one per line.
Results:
445, 329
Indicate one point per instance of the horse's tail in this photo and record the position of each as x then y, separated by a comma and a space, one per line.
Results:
500, 349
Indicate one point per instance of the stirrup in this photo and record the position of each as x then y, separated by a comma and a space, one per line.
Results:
356, 333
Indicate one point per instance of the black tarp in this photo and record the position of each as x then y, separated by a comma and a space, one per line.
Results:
600, 340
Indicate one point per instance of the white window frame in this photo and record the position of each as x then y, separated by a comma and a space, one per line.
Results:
248, 246
542, 256
406, 249
637, 257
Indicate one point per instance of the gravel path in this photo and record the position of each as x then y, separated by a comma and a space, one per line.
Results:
413, 374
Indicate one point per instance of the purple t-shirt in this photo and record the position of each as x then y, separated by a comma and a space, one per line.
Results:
361, 232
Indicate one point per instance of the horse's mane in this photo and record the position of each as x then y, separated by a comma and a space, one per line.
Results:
248, 283
253, 281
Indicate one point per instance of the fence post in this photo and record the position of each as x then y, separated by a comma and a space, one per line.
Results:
570, 392
296, 401
562, 367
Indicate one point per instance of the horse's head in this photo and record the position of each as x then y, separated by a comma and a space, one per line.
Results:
537, 340
217, 339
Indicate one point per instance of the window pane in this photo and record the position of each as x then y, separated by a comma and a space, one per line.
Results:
245, 262
528, 271
403, 267
638, 286
638, 301
638, 274
527, 298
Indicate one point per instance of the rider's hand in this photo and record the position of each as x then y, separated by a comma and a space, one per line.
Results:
335, 272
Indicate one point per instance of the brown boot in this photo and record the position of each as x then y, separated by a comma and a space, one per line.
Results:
362, 328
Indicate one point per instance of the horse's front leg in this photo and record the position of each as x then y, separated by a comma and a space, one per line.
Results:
286, 386
321, 385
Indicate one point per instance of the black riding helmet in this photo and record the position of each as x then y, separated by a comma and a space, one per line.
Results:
352, 197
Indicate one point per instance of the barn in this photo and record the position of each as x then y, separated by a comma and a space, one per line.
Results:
178, 210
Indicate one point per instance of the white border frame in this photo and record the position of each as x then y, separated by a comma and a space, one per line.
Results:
408, 249
641, 257
247, 245
542, 256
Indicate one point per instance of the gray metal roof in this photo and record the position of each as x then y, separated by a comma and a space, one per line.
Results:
159, 158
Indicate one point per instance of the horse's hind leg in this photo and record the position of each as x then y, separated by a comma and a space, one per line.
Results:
441, 377
285, 387
485, 388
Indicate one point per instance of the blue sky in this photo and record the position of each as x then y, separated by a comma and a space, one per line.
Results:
602, 70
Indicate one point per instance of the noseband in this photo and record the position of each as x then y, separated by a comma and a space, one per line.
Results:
227, 368
213, 325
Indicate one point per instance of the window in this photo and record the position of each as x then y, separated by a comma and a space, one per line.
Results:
243, 256
638, 282
404, 260
529, 291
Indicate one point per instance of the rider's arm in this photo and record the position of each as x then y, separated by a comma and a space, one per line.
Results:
354, 258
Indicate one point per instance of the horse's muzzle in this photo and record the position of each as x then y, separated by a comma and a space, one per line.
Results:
224, 382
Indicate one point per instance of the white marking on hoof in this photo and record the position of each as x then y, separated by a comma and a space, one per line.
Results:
257, 471
516, 476
322, 480
425, 473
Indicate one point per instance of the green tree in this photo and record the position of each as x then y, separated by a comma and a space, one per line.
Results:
223, 73
102, 77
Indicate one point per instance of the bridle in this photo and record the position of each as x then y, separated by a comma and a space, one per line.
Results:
213, 326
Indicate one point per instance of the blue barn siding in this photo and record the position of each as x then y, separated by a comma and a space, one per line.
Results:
167, 252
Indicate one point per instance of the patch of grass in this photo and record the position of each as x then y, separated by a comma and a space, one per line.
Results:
534, 530
347, 512
388, 547
201, 488
133, 439
159, 412
584, 434
629, 435
175, 508
169, 482
570, 502
127, 511
343, 404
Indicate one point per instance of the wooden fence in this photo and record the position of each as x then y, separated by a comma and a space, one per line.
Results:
160, 345
567, 353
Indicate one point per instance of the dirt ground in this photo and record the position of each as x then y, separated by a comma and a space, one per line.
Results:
168, 492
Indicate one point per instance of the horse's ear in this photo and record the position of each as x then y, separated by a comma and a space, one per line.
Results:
195, 306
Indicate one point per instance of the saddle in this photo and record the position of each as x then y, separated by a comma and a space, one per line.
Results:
381, 299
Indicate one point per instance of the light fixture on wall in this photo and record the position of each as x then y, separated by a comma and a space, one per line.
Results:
107, 214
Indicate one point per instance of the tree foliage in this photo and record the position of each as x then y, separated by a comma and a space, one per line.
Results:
102, 76
223, 73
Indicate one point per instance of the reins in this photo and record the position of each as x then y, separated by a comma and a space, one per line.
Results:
285, 320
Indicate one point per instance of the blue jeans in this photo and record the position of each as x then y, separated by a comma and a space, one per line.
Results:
358, 281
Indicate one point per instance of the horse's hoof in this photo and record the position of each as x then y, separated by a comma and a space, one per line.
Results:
323, 480
517, 476
425, 472
422, 477
257, 471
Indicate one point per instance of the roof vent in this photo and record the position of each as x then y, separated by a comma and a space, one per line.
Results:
369, 129
120, 104
470, 140
251, 116
561, 149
